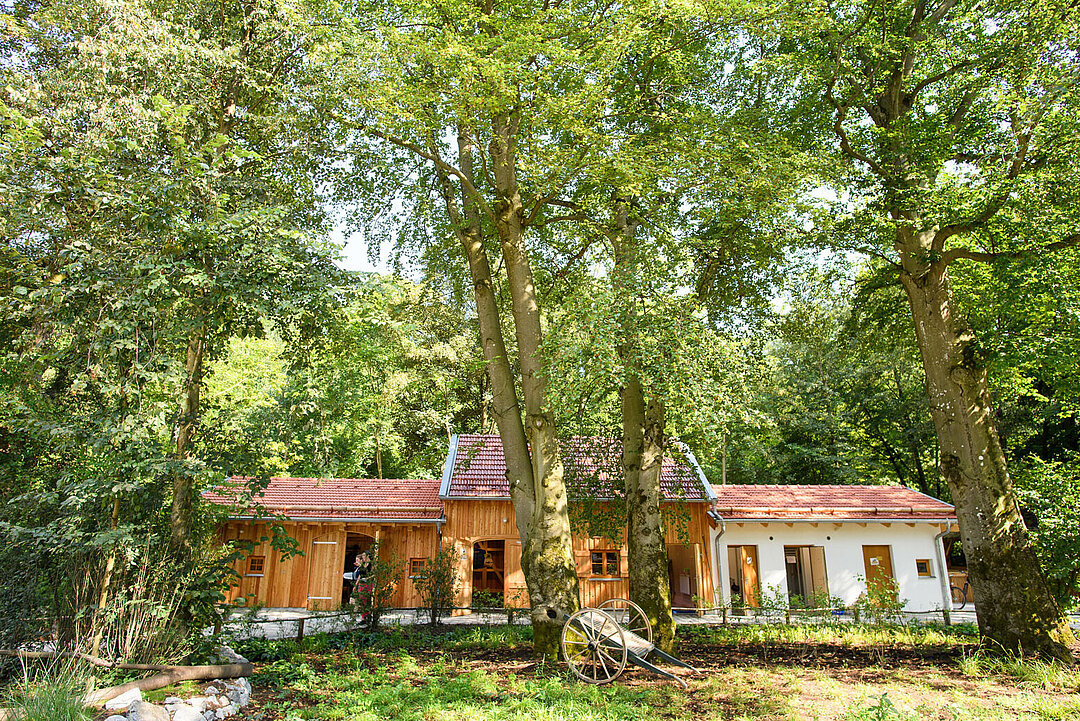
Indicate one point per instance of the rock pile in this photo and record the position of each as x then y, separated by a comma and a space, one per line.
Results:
218, 700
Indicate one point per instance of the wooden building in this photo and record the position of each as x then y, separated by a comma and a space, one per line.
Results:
480, 521
331, 520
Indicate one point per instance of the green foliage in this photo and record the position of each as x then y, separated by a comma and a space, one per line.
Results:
1051, 491
155, 205
882, 710
881, 602
437, 582
396, 370
387, 571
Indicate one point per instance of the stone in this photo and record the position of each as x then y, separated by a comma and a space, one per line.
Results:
123, 700
208, 716
198, 703
211, 690
226, 711
143, 711
172, 700
186, 712
116, 717
227, 655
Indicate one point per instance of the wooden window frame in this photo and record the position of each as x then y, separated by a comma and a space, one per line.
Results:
929, 568
416, 565
256, 566
607, 555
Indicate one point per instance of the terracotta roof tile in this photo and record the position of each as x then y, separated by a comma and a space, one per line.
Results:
593, 468
736, 502
396, 499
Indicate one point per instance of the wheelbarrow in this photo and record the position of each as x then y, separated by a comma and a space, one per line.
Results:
597, 643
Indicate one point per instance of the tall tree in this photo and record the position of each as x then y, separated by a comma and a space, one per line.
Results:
494, 111
959, 119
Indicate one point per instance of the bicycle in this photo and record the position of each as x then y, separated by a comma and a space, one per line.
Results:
959, 595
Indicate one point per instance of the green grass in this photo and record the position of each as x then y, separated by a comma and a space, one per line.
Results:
839, 634
486, 673
47, 693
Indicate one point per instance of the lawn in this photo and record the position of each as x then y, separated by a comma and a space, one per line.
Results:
752, 673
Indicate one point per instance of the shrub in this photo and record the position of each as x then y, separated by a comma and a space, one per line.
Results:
437, 583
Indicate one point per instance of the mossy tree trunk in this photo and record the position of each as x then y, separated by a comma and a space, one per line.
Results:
904, 109
530, 448
1013, 602
642, 446
547, 549
643, 456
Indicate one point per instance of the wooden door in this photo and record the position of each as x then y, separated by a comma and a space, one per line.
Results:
877, 562
517, 593
748, 559
324, 572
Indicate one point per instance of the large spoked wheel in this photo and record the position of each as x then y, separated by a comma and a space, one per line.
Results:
959, 597
628, 615
594, 646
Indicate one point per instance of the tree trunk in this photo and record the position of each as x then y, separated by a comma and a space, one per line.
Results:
547, 552
536, 485
643, 456
1015, 608
181, 514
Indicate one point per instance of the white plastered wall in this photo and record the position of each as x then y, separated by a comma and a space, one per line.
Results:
843, 543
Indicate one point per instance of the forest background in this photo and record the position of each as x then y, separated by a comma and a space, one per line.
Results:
173, 312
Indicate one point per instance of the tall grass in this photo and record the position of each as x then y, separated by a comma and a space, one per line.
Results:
48, 693
845, 635
1030, 672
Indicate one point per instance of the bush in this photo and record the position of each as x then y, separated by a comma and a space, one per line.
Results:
437, 583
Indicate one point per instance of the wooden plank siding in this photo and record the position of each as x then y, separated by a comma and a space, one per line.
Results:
314, 580
469, 521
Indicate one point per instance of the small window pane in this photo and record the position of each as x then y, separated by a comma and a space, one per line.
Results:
597, 563
613, 563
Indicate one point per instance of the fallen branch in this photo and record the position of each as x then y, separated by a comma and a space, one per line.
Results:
176, 674
168, 676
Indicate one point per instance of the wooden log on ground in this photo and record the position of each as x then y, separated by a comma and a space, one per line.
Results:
175, 674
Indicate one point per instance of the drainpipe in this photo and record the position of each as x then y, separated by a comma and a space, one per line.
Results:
946, 594
721, 589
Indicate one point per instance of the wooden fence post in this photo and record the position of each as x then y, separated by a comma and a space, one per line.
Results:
300, 629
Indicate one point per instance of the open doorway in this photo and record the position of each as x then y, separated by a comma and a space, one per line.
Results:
489, 564
355, 545
683, 574
807, 582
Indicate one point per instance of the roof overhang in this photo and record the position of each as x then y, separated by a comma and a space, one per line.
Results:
343, 519
828, 519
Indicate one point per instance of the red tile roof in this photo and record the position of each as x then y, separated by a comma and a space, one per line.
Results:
593, 468
339, 498
752, 502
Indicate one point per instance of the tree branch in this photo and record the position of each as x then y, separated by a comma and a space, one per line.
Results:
841, 134
466, 183
986, 257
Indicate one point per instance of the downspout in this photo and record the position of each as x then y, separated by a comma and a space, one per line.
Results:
946, 595
719, 592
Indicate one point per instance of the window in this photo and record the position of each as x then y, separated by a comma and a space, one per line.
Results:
923, 567
605, 563
416, 566
255, 565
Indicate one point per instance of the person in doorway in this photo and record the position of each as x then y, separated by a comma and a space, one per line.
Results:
362, 589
